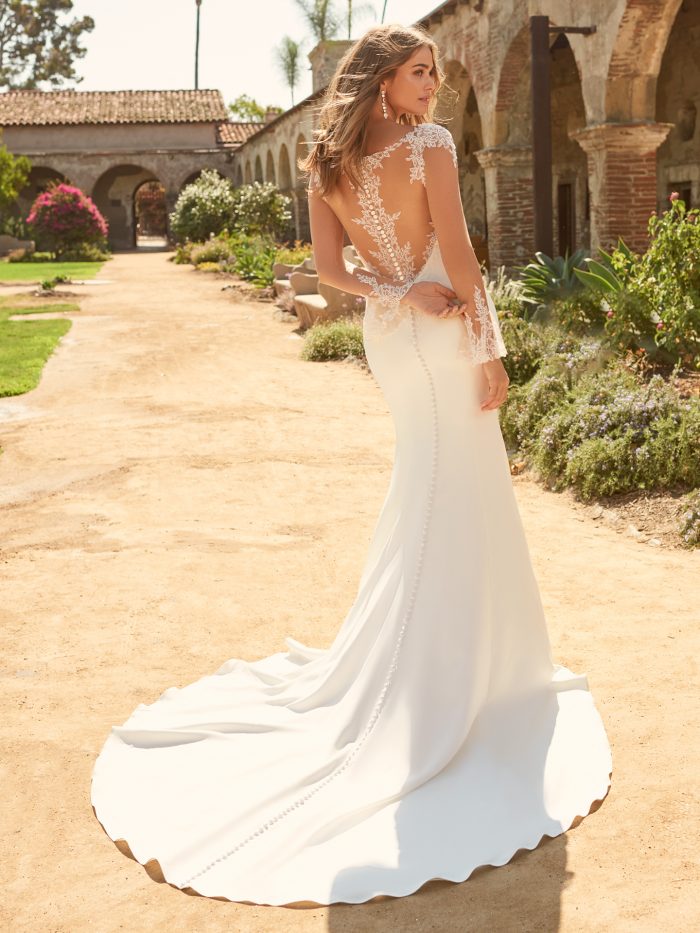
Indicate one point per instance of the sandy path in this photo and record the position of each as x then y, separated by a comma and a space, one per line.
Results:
181, 489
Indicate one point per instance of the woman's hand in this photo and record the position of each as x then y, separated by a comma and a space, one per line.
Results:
430, 297
497, 381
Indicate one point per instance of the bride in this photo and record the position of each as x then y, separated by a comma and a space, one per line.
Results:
436, 734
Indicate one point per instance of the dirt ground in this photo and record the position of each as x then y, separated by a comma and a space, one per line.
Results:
181, 489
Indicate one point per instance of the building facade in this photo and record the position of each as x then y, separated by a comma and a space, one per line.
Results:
624, 101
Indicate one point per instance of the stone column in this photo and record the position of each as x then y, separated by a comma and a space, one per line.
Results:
621, 179
509, 207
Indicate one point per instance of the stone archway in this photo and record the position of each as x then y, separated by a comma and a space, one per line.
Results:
248, 174
258, 169
285, 173
630, 89
238, 176
151, 215
113, 194
270, 174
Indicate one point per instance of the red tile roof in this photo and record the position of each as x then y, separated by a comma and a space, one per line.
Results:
61, 108
235, 134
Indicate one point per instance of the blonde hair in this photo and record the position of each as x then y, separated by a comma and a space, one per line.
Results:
352, 93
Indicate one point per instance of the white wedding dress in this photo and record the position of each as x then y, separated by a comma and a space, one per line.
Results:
436, 734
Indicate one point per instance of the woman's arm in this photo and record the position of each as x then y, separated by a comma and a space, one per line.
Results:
459, 259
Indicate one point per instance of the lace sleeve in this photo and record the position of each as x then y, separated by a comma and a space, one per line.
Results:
488, 343
437, 168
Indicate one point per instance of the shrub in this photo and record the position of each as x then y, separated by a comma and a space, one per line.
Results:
528, 405
213, 250
85, 252
581, 313
203, 207
334, 340
613, 434
547, 278
261, 208
24, 255
253, 258
64, 218
292, 256
659, 308
526, 346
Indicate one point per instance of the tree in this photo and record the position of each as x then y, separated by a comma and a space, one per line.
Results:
287, 55
14, 172
36, 45
247, 109
356, 11
321, 18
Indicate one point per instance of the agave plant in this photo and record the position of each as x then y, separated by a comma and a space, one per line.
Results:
547, 278
601, 276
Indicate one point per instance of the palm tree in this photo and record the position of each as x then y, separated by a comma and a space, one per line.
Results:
287, 55
196, 49
359, 10
321, 18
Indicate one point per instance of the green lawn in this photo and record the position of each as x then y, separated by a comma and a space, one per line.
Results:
26, 345
38, 271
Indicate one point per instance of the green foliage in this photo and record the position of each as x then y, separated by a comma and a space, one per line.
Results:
334, 340
525, 344
14, 172
85, 252
204, 208
245, 108
253, 258
582, 313
294, 255
36, 45
261, 208
528, 405
547, 278
214, 250
690, 519
659, 310
508, 294
611, 434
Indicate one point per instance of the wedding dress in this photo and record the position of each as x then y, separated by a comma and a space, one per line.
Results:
435, 734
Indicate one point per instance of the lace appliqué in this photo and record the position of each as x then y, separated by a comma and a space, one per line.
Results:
432, 136
488, 343
388, 295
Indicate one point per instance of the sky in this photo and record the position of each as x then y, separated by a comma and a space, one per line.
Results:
149, 44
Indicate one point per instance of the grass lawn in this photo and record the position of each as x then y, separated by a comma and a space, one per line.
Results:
38, 271
26, 345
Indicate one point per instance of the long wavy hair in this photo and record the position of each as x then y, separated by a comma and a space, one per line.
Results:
352, 93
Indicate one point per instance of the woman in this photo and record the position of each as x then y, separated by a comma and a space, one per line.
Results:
436, 734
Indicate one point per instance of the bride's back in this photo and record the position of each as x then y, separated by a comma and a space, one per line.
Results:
388, 218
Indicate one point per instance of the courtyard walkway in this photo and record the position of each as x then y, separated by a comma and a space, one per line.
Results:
181, 489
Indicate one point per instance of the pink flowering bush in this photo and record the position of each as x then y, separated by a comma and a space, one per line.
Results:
64, 219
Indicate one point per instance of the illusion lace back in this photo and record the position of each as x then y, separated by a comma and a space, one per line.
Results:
388, 221
435, 734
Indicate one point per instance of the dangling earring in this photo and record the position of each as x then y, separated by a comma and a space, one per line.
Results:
386, 115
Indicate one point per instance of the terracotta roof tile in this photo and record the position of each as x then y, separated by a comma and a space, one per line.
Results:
235, 134
56, 108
